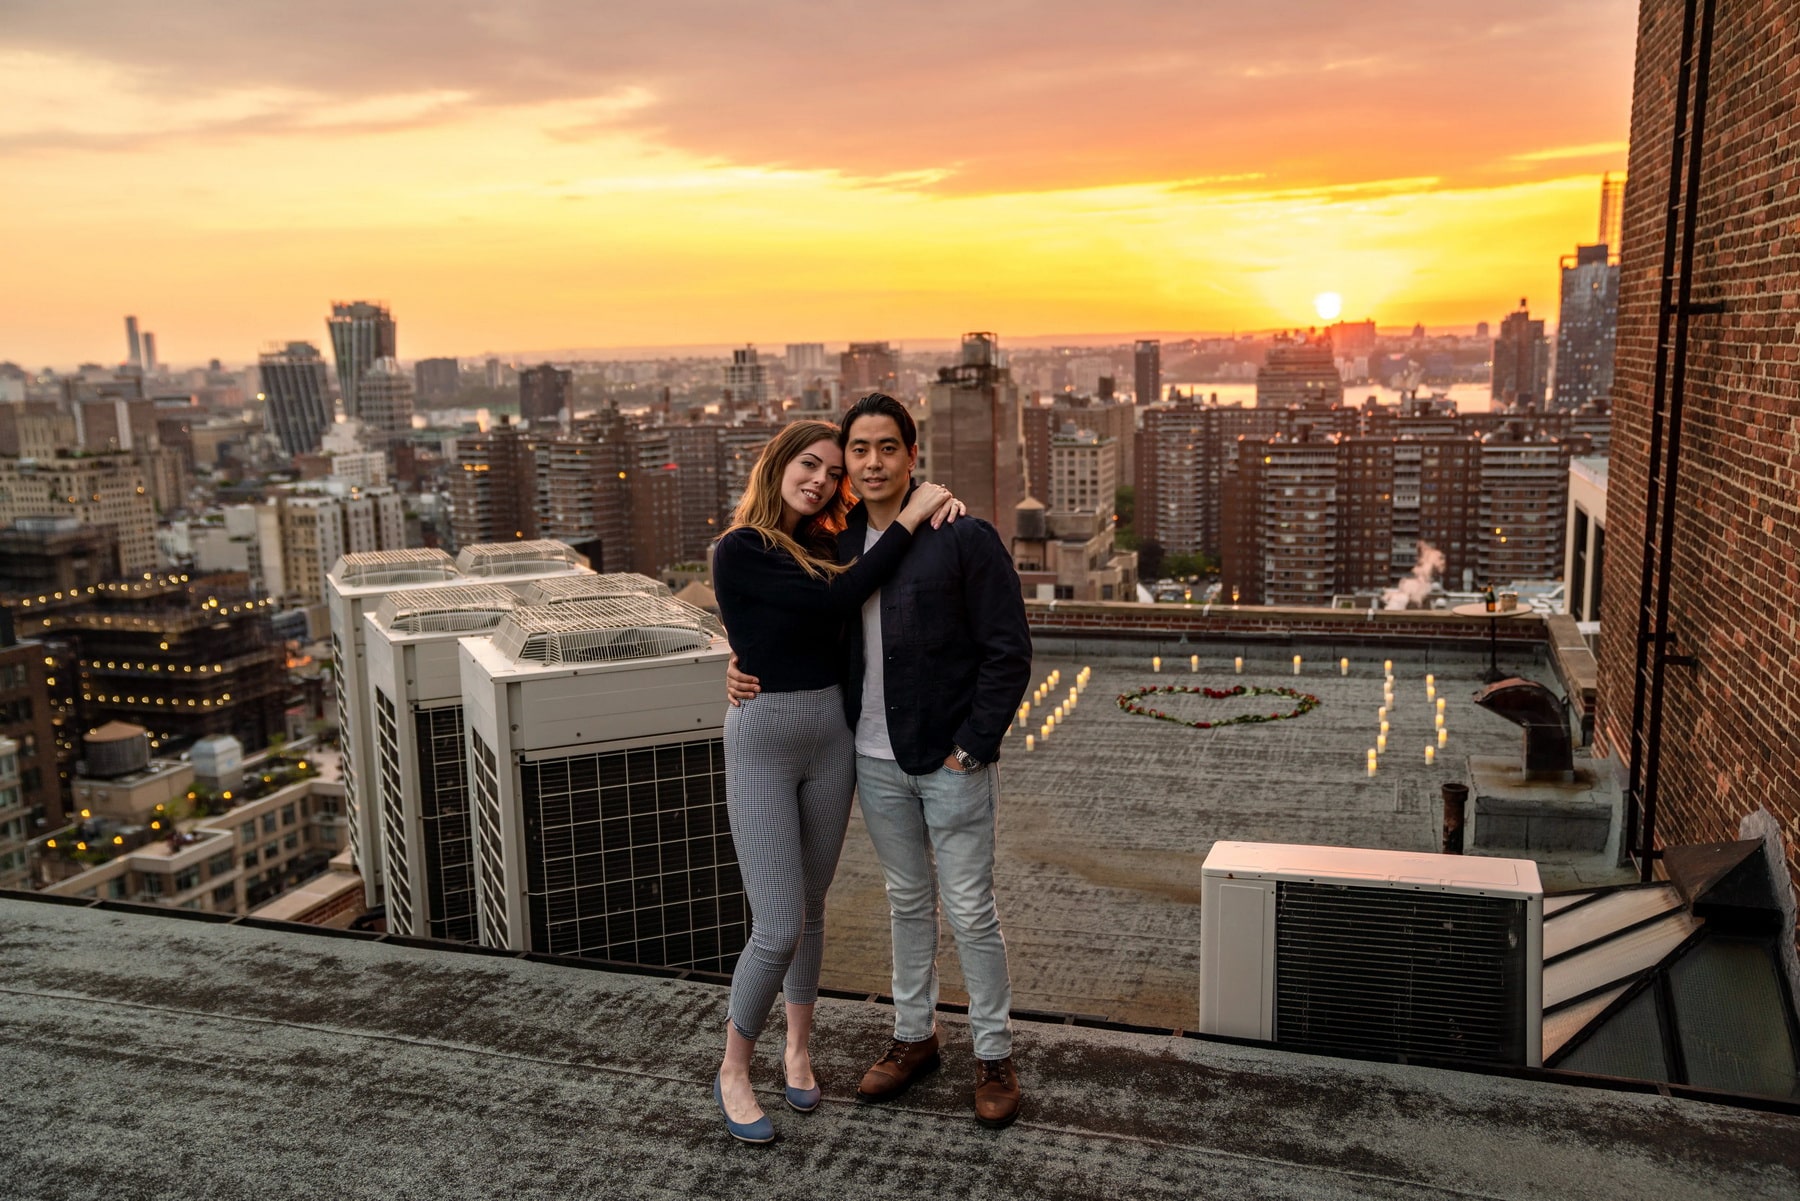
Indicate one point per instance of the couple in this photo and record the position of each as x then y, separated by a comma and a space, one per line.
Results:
877, 649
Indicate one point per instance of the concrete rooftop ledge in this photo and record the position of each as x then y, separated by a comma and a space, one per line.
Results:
149, 1057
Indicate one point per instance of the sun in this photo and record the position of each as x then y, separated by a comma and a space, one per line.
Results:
1330, 305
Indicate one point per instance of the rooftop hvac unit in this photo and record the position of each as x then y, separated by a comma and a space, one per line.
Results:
540, 556
558, 590
377, 568
1338, 950
597, 783
606, 629
419, 779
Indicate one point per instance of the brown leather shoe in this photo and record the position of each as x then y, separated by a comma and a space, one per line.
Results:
898, 1067
996, 1092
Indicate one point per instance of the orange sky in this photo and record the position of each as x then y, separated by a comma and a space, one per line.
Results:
514, 177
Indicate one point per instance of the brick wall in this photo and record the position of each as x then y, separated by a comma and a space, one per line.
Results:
1731, 729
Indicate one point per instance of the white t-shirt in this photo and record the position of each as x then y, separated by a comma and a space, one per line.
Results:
872, 728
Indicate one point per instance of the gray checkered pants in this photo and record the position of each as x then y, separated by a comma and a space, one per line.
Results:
790, 769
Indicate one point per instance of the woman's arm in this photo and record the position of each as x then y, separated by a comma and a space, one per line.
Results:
752, 571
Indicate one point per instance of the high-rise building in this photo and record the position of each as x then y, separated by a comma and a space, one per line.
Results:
868, 367
134, 348
182, 660
28, 717
746, 380
805, 358
973, 433
1587, 327
1147, 371
105, 490
15, 820
1521, 361
1524, 505
362, 333
385, 397
546, 395
319, 524
1612, 209
596, 765
1299, 370
150, 363
435, 381
1183, 450
494, 488
296, 391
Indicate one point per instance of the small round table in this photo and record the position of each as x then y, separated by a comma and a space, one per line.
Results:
1480, 609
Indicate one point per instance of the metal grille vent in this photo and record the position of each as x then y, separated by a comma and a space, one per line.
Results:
393, 818
1400, 972
557, 590
515, 558
449, 886
604, 630
490, 877
460, 609
340, 671
371, 567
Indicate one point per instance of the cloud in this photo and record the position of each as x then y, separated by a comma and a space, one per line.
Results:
1011, 96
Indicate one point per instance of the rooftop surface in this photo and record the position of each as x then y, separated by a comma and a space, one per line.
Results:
1103, 830
148, 1056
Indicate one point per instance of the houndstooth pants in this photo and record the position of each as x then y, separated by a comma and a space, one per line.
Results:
790, 770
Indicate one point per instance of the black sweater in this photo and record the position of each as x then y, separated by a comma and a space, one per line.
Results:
785, 625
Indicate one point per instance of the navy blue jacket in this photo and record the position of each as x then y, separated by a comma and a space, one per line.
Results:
958, 653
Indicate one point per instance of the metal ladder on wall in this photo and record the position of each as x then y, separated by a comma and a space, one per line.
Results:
1655, 639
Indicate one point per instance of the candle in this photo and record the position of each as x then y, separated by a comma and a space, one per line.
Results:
1381, 742
1371, 765
1430, 680
1240, 665
1430, 692
1384, 727
1438, 721
1343, 667
1443, 736
1030, 743
1381, 714
1440, 703
1296, 664
1387, 665
1193, 662
1155, 662
1430, 754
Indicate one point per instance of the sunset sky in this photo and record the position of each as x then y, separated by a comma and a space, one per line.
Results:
539, 174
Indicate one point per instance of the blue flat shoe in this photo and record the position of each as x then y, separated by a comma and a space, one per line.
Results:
802, 1100
760, 1131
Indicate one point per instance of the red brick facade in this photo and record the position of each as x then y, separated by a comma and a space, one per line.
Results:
1731, 728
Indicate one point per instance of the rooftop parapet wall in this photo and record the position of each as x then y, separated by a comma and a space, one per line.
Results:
1130, 621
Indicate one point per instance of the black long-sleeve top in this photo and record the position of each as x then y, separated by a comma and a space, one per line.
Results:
785, 625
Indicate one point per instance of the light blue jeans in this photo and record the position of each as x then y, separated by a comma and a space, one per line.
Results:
949, 815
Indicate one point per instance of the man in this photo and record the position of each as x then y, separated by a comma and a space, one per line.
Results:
931, 685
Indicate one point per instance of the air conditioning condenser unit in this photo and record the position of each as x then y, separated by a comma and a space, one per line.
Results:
1340, 950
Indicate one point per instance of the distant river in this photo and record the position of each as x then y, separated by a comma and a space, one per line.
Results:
1469, 398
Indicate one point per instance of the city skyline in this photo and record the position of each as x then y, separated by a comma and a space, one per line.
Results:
1039, 175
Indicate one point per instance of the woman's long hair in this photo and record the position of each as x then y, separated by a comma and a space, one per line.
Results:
760, 508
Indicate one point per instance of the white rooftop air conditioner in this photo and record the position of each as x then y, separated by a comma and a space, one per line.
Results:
1338, 950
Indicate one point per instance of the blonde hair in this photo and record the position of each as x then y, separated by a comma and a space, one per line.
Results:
761, 506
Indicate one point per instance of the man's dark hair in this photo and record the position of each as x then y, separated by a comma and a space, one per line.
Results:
878, 404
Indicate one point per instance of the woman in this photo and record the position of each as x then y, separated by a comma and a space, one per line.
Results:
790, 757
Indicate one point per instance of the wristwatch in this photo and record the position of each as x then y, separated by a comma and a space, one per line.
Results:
966, 760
